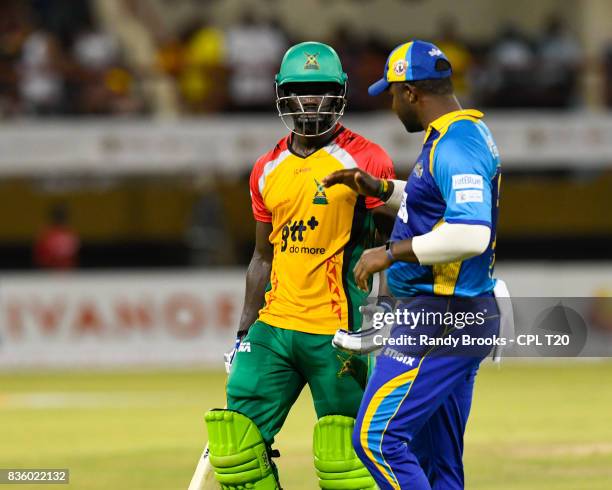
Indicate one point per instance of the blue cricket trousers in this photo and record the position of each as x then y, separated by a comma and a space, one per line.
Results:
410, 426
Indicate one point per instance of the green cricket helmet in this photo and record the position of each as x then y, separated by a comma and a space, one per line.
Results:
311, 89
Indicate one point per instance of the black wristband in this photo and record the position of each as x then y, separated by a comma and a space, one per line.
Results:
389, 251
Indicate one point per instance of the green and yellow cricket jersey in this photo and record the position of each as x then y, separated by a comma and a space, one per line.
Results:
318, 234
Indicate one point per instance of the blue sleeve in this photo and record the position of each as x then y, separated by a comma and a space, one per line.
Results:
463, 171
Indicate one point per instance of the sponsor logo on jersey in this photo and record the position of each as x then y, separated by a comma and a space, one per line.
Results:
244, 347
399, 357
468, 181
311, 62
295, 232
469, 195
319, 197
434, 52
298, 171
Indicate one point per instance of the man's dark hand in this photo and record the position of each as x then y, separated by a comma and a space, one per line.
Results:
361, 182
371, 261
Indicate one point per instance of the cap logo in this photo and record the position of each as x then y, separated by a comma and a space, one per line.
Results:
434, 52
399, 67
311, 62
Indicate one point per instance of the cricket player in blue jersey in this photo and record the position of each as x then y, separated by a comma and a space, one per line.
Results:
410, 427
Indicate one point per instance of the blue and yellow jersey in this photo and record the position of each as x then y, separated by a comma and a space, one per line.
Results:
456, 179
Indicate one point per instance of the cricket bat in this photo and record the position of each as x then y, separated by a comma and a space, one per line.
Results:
204, 476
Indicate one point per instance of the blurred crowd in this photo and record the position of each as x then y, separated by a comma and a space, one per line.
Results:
224, 70
233, 69
56, 59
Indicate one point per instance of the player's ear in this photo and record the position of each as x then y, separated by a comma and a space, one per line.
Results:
410, 93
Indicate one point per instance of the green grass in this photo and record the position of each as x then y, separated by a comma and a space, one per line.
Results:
533, 426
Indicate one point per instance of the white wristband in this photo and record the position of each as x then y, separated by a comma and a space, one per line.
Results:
395, 199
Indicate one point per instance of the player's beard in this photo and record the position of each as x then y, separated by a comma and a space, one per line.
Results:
312, 124
410, 121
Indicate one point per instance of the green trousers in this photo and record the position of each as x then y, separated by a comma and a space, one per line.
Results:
273, 365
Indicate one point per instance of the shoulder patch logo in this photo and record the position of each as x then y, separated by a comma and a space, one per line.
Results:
319, 197
311, 62
403, 210
418, 169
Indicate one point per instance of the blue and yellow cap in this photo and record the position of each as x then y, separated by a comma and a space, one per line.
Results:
409, 62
